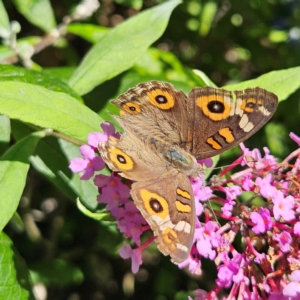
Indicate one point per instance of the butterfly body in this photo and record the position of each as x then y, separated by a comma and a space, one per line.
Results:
165, 132
177, 158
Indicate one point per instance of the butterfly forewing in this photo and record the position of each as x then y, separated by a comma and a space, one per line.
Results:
154, 109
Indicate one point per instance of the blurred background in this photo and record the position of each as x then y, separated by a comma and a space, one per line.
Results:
74, 257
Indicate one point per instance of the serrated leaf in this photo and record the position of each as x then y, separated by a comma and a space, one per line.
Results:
282, 83
14, 165
42, 107
37, 12
13, 73
14, 276
121, 47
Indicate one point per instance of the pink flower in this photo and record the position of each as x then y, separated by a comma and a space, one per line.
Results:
113, 181
208, 162
247, 182
292, 289
225, 276
130, 221
95, 138
266, 189
201, 192
88, 164
227, 271
227, 208
113, 191
297, 228
262, 220
135, 254
285, 240
232, 192
207, 239
193, 262
283, 207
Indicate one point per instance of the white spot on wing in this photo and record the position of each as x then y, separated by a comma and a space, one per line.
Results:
264, 111
163, 223
248, 127
183, 226
238, 110
182, 247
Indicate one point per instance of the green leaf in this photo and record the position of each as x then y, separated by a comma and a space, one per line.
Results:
52, 158
14, 166
136, 4
62, 73
42, 107
4, 20
14, 275
204, 78
121, 47
37, 12
12, 73
4, 132
90, 32
282, 83
48, 159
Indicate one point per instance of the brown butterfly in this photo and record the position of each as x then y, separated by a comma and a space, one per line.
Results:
165, 132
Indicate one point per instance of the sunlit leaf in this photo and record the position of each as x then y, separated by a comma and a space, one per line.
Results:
40, 106
283, 83
121, 47
38, 12
4, 20
14, 165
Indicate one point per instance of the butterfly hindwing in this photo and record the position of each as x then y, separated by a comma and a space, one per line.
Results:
167, 204
221, 119
135, 159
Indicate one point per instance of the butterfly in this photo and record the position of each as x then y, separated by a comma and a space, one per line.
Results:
165, 133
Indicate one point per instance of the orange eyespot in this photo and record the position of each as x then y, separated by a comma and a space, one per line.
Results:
131, 108
121, 159
155, 204
214, 106
161, 99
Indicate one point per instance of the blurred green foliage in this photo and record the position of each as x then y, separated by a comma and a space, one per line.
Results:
71, 255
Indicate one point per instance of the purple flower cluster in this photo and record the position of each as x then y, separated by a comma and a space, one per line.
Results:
259, 207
